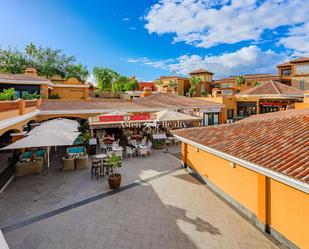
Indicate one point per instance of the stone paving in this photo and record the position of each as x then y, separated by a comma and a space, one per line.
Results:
171, 210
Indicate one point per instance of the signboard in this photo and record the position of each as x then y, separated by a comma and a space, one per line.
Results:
125, 118
272, 104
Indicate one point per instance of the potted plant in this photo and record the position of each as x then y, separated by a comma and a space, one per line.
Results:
114, 179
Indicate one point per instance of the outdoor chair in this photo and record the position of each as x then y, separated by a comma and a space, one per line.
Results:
129, 151
118, 153
149, 146
68, 164
143, 152
26, 156
95, 168
81, 162
29, 168
40, 155
176, 142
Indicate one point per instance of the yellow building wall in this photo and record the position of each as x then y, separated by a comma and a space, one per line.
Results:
284, 208
239, 183
9, 114
289, 212
228, 102
18, 127
41, 118
70, 93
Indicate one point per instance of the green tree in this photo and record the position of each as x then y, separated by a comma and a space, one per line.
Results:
257, 83
78, 71
31, 50
172, 84
105, 77
12, 61
240, 80
47, 61
194, 81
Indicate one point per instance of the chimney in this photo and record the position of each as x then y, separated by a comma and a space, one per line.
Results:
31, 71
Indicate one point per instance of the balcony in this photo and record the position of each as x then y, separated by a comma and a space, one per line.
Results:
17, 108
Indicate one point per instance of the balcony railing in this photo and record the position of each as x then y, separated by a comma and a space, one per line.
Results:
14, 108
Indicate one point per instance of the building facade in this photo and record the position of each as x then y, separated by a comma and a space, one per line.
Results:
295, 73
173, 85
228, 86
254, 166
270, 96
205, 87
31, 83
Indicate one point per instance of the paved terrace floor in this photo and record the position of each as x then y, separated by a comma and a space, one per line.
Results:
159, 206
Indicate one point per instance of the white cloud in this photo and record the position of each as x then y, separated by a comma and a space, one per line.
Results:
298, 39
126, 19
132, 28
206, 23
246, 60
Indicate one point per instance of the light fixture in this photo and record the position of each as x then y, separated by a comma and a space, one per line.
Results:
232, 164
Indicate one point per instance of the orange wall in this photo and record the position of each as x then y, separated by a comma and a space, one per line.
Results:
239, 183
9, 114
71, 93
289, 212
284, 208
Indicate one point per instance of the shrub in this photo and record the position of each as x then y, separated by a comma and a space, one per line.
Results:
29, 96
7, 94
54, 96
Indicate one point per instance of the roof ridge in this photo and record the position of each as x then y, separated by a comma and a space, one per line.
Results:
273, 83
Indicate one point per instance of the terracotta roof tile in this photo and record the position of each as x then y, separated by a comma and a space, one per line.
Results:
22, 77
277, 141
201, 71
159, 101
300, 59
271, 87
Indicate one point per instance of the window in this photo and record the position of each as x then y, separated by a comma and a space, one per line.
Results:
286, 72
230, 113
302, 69
227, 92
302, 84
227, 85
202, 89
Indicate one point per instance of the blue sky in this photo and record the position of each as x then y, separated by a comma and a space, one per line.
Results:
152, 38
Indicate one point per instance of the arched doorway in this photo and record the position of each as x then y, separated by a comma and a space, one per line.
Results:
8, 158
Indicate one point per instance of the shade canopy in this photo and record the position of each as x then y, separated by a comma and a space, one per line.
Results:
115, 113
62, 125
168, 115
55, 138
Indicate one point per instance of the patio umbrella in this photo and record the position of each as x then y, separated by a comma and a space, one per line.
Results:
45, 139
56, 125
168, 115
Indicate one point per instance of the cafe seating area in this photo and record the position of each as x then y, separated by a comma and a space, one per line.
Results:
76, 158
31, 162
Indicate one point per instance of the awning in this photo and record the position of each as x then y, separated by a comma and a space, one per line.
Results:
167, 115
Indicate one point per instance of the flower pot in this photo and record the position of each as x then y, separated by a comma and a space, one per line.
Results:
114, 181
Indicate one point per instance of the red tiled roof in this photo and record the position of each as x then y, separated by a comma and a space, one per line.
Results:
271, 87
251, 77
201, 71
22, 77
159, 101
172, 77
277, 141
285, 64
300, 59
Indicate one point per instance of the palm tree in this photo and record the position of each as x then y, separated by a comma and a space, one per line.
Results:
194, 81
240, 80
173, 84
30, 51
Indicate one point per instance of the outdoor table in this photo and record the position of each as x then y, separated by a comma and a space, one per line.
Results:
101, 157
171, 139
117, 148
